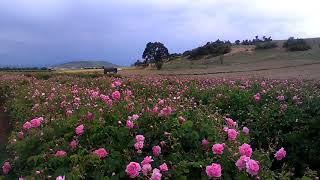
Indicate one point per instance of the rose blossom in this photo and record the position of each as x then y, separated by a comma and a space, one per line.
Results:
204, 142
60, 178
252, 167
232, 134
6, 168
156, 175
163, 167
146, 168
181, 119
280, 154
129, 124
139, 138
80, 129
27, 125
138, 146
245, 150
245, 130
147, 160
101, 152
73, 144
257, 97
36, 122
230, 122
116, 95
217, 148
156, 150
133, 169
213, 170
61, 154
241, 163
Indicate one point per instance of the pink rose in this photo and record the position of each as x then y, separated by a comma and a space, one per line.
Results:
116, 83
133, 169
128, 92
139, 138
89, 116
232, 134
257, 97
20, 135
147, 160
166, 111
204, 142
116, 95
101, 153
61, 154
135, 117
252, 167
6, 168
213, 170
181, 119
245, 150
104, 98
73, 144
146, 168
163, 167
230, 122
161, 102
138, 146
129, 124
245, 130
60, 178
80, 129
241, 163
156, 150
109, 102
280, 98
36, 122
280, 154
217, 148
27, 125
156, 175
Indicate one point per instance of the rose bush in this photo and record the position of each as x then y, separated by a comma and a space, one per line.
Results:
153, 127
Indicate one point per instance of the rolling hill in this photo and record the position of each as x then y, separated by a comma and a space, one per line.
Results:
246, 61
246, 54
84, 64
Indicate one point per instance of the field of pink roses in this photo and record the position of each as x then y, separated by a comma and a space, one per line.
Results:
84, 127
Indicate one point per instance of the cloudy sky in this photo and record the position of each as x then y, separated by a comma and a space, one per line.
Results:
46, 32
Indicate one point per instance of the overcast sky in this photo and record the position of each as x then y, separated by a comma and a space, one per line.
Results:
46, 32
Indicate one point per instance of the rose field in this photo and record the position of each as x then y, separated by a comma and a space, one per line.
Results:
159, 127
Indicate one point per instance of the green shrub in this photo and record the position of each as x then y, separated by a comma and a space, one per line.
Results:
211, 48
296, 44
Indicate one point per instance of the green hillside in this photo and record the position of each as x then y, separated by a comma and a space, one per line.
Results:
250, 56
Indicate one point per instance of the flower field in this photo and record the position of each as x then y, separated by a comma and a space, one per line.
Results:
98, 127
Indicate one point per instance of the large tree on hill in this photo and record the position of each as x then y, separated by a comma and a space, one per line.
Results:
155, 52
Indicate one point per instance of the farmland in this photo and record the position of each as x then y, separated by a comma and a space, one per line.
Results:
171, 127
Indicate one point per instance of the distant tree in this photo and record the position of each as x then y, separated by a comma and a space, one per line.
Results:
296, 44
155, 52
237, 42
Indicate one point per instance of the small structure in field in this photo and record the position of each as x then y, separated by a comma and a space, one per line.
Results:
110, 70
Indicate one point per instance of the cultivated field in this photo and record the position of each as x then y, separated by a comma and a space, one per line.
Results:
79, 126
